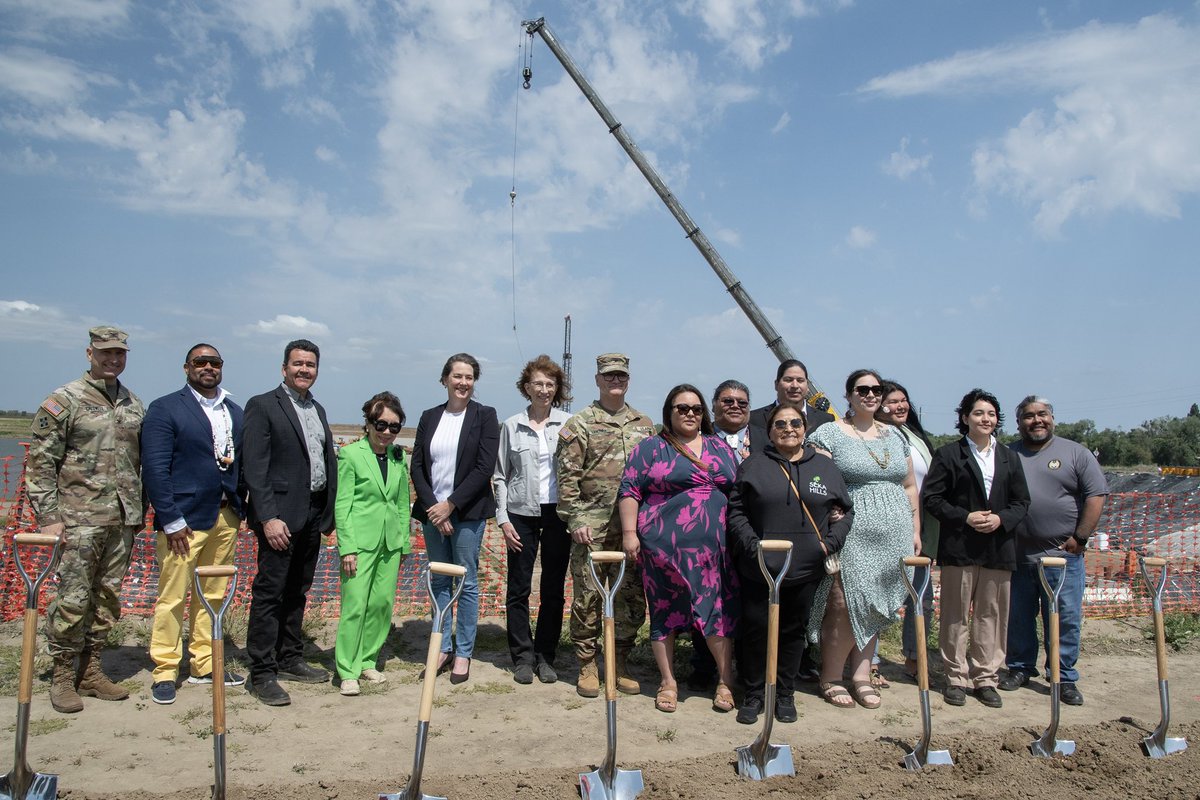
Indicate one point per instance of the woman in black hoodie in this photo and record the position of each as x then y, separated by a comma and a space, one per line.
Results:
781, 493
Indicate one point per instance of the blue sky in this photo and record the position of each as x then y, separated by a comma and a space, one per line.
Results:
956, 194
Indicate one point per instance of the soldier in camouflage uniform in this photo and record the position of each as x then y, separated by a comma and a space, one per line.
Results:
85, 486
592, 448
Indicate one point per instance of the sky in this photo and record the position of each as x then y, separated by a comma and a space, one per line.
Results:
955, 194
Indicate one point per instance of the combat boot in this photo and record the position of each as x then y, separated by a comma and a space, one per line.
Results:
588, 684
626, 683
92, 680
63, 696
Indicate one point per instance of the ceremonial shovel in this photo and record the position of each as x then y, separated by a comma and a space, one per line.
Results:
22, 783
218, 669
761, 759
1047, 746
413, 790
1157, 745
922, 756
608, 782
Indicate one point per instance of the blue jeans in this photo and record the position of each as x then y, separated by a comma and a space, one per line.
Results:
462, 548
1028, 598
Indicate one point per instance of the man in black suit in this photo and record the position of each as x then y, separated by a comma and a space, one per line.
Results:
791, 389
290, 470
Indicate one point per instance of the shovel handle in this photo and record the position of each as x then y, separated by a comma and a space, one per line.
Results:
1055, 675
610, 657
432, 655
775, 545
922, 647
1160, 643
36, 539
917, 561
772, 643
1054, 561
28, 637
218, 684
1154, 561
608, 556
217, 571
442, 568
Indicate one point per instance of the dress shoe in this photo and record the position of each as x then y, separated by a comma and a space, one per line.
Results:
300, 672
785, 709
1014, 679
955, 696
751, 708
447, 661
545, 672
1070, 694
523, 674
462, 677
268, 691
988, 696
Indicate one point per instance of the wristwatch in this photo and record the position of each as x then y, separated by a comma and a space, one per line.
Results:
1081, 541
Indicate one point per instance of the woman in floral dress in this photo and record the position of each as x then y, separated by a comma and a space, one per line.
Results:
672, 504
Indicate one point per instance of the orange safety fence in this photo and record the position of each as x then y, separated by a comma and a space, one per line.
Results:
1146, 514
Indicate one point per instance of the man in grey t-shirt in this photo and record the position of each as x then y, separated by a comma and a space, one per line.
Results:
1067, 490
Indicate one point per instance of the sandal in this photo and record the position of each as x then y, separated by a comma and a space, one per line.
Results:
867, 695
666, 700
836, 696
877, 679
723, 699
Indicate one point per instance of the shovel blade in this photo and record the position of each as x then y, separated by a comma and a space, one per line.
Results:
777, 760
1059, 747
404, 795
627, 784
39, 786
1169, 745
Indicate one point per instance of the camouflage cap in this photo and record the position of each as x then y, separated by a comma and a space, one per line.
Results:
612, 362
106, 337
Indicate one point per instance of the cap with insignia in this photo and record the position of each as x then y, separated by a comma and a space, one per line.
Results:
106, 337
612, 362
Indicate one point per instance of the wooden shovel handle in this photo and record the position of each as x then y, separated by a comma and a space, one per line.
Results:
775, 545
610, 657
432, 656
917, 561
772, 642
1154, 561
1160, 644
218, 683
28, 638
608, 556
1054, 665
1053, 561
922, 646
217, 572
36, 539
442, 568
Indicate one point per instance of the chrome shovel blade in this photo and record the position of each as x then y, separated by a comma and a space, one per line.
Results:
403, 795
776, 760
1170, 745
1043, 748
626, 785
37, 786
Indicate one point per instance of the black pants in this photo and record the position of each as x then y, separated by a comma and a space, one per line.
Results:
551, 533
795, 603
279, 595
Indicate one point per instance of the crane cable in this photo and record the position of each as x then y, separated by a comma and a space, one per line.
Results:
525, 59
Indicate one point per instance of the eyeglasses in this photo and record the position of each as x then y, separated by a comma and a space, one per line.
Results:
683, 410
731, 402
614, 377
390, 427
543, 384
864, 391
784, 424
207, 361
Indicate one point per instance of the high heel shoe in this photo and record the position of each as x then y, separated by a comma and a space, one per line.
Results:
444, 665
461, 677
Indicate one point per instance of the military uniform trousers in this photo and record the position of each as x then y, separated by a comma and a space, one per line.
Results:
587, 604
94, 561
213, 547
366, 614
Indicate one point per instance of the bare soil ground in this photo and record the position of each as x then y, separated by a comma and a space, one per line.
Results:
491, 738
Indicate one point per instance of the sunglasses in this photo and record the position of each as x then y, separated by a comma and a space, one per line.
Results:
390, 427
784, 424
731, 402
208, 361
614, 377
866, 391
683, 409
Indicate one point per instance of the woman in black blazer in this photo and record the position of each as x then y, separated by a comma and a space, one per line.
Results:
976, 489
453, 457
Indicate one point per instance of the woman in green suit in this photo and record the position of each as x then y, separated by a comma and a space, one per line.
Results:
372, 514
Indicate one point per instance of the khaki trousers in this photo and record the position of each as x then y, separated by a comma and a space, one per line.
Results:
974, 606
213, 547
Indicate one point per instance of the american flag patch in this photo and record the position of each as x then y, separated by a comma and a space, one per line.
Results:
52, 406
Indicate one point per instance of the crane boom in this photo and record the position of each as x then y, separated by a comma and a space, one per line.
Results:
692, 231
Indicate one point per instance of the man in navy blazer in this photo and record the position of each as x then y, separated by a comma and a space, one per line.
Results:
791, 389
191, 443
289, 468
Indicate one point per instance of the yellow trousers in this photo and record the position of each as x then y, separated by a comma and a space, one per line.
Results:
213, 547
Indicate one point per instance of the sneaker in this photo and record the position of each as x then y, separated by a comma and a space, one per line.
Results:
1070, 694
372, 676
163, 692
988, 696
269, 692
785, 709
751, 708
350, 688
545, 672
300, 672
1013, 679
523, 674
231, 679
955, 696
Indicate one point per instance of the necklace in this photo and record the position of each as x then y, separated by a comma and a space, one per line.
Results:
887, 454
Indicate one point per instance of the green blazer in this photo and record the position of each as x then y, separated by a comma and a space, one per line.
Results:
371, 515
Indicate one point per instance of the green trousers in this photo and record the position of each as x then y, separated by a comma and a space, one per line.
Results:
366, 615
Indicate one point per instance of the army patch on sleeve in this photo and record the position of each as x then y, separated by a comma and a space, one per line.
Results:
53, 407
43, 423
566, 435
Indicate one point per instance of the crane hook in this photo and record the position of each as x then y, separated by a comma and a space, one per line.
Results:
527, 74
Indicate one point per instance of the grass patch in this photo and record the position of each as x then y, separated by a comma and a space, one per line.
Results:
666, 736
10, 669
254, 728
491, 639
491, 687
37, 727
1180, 629
898, 717
571, 705
130, 630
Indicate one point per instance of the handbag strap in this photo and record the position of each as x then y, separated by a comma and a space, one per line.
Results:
803, 505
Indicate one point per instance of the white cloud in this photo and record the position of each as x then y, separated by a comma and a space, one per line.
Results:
32, 18
25, 321
903, 166
728, 236
12, 307
784, 119
1124, 133
43, 79
326, 155
288, 325
860, 238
